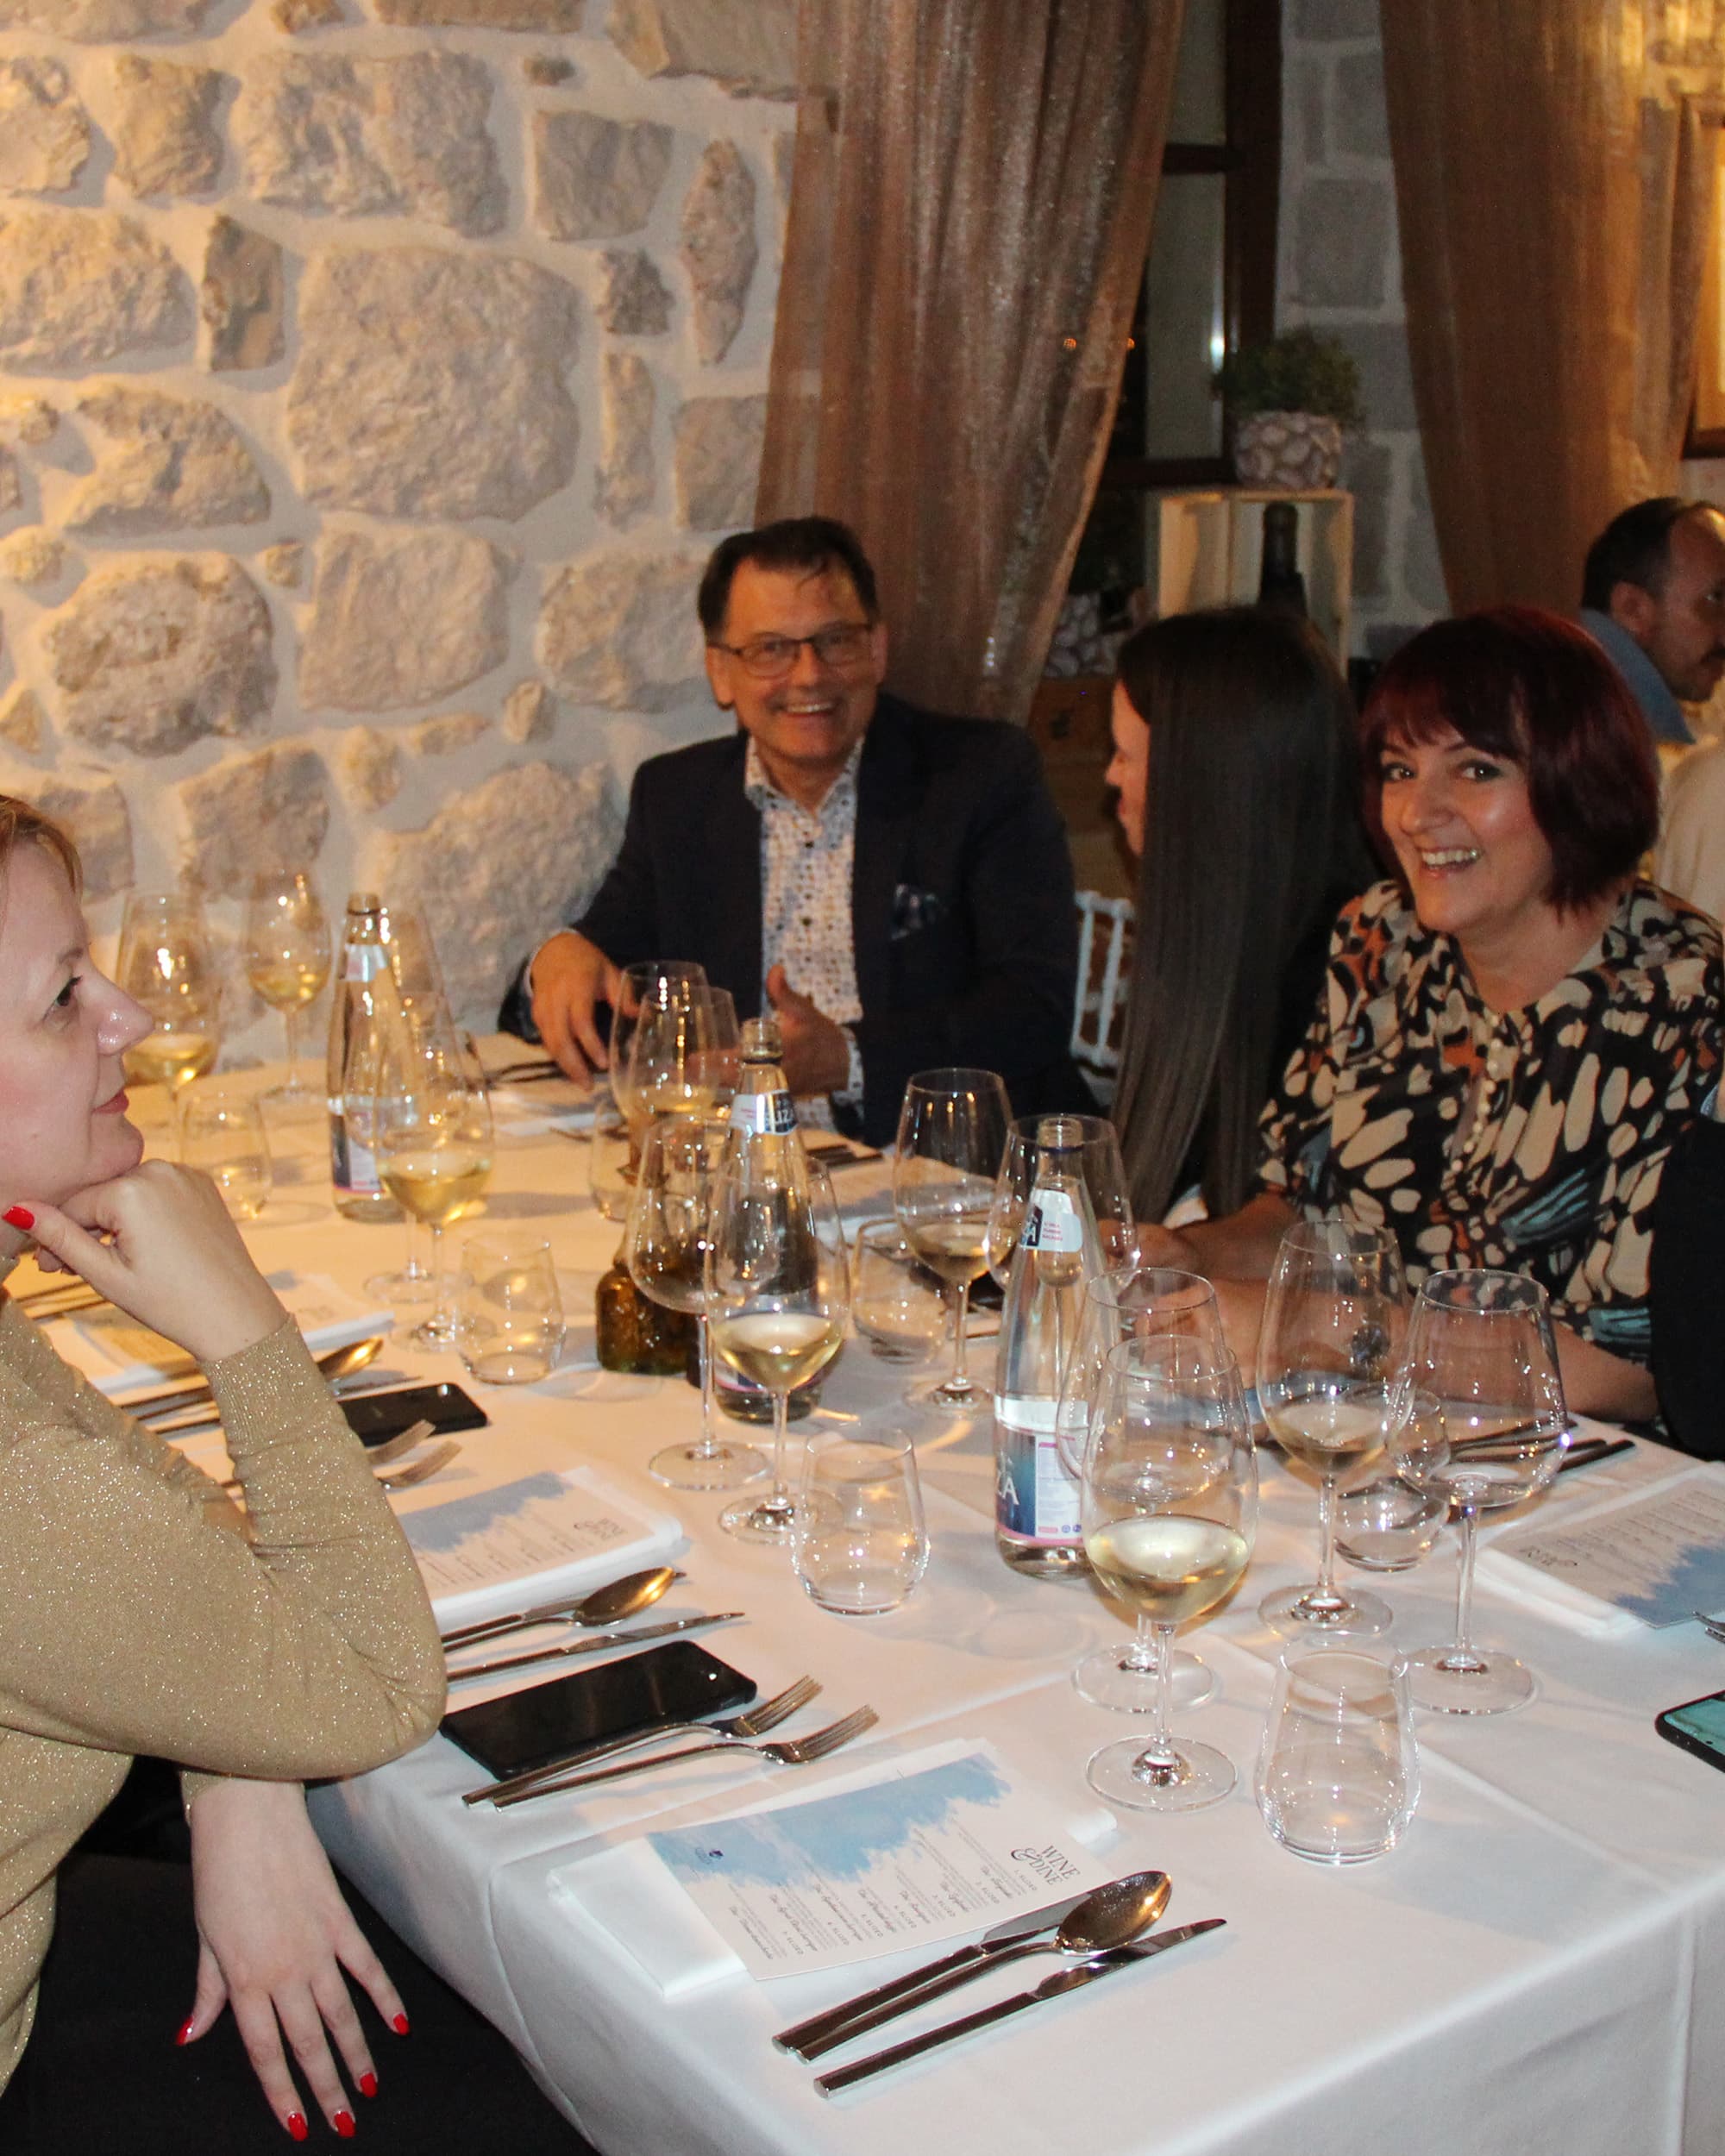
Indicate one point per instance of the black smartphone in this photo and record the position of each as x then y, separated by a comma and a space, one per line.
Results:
1698, 1726
374, 1417
677, 1681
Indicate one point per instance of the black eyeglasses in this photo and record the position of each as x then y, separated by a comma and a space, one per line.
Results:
768, 657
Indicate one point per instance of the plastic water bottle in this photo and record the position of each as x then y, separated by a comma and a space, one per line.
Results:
1037, 1528
364, 1001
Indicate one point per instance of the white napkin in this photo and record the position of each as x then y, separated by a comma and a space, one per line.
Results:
118, 1355
629, 1893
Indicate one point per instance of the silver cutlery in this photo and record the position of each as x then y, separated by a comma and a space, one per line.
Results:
1593, 1449
421, 1470
779, 1751
336, 1365
598, 1644
606, 1605
1051, 1987
381, 1455
74, 1296
755, 1722
1108, 1917
1713, 1626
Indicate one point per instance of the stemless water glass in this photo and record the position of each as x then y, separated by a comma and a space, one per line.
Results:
221, 1132
1337, 1773
1170, 1511
164, 964
1136, 1302
952, 1135
859, 1544
668, 1247
287, 946
1096, 1157
1333, 1321
895, 1300
432, 1132
783, 1297
512, 1321
1484, 1426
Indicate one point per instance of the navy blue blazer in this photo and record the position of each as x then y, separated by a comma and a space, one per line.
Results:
961, 901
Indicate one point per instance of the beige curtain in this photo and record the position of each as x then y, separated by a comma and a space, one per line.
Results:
971, 206
1552, 180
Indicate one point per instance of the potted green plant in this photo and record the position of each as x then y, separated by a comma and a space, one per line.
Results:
1291, 398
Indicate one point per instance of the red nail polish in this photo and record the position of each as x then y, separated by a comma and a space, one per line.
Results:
296, 2125
343, 2124
185, 2031
368, 2084
19, 1216
399, 2025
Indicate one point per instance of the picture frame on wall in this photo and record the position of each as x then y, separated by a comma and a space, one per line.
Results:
1707, 417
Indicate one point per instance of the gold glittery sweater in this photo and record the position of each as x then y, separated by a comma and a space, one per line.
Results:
134, 1619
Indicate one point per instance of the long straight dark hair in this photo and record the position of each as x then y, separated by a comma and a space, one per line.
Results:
1251, 831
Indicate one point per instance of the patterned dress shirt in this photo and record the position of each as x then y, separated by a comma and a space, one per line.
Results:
807, 858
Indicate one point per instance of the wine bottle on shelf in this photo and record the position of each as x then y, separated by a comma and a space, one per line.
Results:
364, 1001
1281, 588
1037, 1526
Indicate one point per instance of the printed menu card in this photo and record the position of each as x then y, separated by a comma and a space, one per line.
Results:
1659, 1557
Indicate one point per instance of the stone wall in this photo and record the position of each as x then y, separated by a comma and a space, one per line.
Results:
1340, 269
374, 375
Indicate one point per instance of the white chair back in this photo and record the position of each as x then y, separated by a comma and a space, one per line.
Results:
1104, 941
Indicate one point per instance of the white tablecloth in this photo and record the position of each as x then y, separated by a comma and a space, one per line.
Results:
1539, 1967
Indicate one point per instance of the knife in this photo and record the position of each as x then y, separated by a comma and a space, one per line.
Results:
598, 1644
1052, 1987
820, 2026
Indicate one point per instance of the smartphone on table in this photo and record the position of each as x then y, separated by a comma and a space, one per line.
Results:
374, 1417
1698, 1726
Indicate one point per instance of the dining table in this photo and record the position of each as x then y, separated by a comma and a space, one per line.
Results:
1535, 1968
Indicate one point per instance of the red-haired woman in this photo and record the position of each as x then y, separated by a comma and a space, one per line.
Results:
1514, 1030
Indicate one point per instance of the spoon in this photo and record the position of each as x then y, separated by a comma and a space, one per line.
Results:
606, 1605
338, 1362
1113, 1916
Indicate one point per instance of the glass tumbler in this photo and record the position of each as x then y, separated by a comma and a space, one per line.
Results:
221, 1132
1337, 1773
510, 1324
896, 1301
859, 1543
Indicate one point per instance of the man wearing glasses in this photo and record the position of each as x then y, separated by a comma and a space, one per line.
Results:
896, 884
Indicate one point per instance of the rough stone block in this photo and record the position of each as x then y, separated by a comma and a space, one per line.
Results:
21, 720
1368, 470
1307, 96
81, 286
1423, 570
92, 808
43, 131
484, 14
619, 630
372, 137
1362, 123
495, 870
469, 417
528, 712
166, 141
158, 652
400, 618
175, 463
94, 21
292, 16
749, 46
447, 735
257, 815
718, 249
633, 298
11, 484
1386, 377
27, 419
544, 72
284, 564
32, 557
624, 485
1322, 20
241, 298
1342, 236
716, 461
369, 770
595, 178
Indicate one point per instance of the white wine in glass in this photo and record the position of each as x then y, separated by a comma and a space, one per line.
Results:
164, 964
431, 1132
287, 945
952, 1137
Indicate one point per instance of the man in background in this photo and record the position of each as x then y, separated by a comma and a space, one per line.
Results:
895, 883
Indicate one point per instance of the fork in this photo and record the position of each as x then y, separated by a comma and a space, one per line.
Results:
1713, 1626
395, 1449
755, 1722
782, 1751
421, 1470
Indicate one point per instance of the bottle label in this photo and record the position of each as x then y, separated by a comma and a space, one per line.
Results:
353, 1167
763, 1114
1051, 1223
1036, 1501
362, 961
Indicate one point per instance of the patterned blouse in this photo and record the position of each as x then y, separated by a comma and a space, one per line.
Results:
1532, 1139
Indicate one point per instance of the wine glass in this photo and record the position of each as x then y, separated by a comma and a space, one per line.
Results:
1140, 1302
1484, 1426
1333, 1319
782, 1294
432, 1132
411, 954
684, 1053
667, 1246
649, 983
423, 1010
164, 964
1170, 1511
286, 947
1096, 1158
952, 1134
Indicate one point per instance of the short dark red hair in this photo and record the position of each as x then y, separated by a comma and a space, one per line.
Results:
1530, 686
